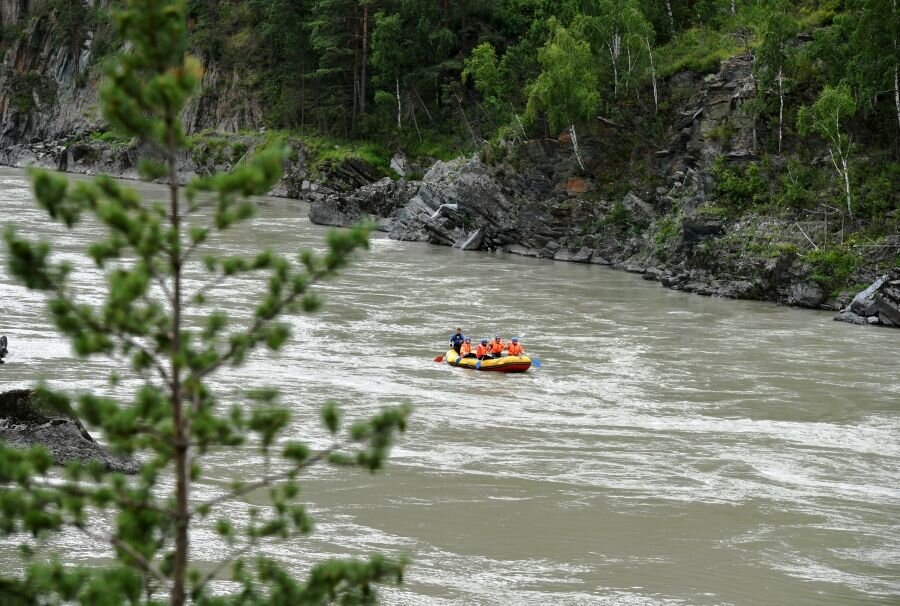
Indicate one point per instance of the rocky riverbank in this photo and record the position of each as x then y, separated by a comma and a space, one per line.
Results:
651, 205
533, 199
26, 422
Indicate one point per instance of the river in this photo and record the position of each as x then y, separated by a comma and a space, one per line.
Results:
672, 449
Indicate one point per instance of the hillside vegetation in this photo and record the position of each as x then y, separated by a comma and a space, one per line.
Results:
439, 78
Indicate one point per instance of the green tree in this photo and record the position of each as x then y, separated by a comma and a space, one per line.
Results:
621, 38
483, 68
776, 55
874, 66
175, 418
566, 89
827, 117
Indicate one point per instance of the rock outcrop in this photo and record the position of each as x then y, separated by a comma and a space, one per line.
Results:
533, 199
26, 422
877, 304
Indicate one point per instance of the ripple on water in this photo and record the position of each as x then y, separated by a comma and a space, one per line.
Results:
673, 449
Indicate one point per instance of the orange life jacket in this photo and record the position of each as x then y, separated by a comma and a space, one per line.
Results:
515, 349
495, 346
465, 349
481, 351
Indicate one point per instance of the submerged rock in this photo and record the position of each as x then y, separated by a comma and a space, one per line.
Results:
26, 422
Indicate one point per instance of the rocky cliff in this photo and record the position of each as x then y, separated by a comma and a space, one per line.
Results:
533, 199
49, 80
651, 207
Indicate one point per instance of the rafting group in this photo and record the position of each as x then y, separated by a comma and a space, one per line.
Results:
490, 354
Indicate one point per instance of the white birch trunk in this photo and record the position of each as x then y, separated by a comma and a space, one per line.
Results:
671, 17
780, 106
653, 79
519, 122
615, 66
733, 7
844, 173
575, 146
897, 91
399, 107
896, 67
847, 184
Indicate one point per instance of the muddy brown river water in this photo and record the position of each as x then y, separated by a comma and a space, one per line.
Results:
673, 449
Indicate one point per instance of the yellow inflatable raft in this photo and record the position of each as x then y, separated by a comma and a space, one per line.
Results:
504, 364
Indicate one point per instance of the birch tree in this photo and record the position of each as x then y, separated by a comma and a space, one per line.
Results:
388, 58
566, 89
827, 117
619, 33
776, 55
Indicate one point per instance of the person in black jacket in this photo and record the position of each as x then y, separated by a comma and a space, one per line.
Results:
457, 340
3, 349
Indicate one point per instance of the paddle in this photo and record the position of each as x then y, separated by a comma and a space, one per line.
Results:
439, 358
536, 363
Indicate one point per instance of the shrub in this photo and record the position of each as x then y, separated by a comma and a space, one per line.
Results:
832, 267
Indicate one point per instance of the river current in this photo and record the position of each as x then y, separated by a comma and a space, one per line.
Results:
672, 449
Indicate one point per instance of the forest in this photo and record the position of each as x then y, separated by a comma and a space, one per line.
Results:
430, 69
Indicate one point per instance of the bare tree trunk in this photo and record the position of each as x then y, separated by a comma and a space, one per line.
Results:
399, 107
365, 60
575, 146
466, 118
422, 102
733, 7
415, 122
780, 106
653, 77
671, 17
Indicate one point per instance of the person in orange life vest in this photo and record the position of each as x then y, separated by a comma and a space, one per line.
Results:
481, 352
514, 348
496, 347
465, 350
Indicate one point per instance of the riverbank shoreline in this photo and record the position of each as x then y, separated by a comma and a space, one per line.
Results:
430, 211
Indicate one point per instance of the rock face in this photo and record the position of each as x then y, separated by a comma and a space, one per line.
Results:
48, 86
877, 304
25, 422
533, 199
376, 200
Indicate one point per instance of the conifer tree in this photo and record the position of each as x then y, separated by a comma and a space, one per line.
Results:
175, 418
